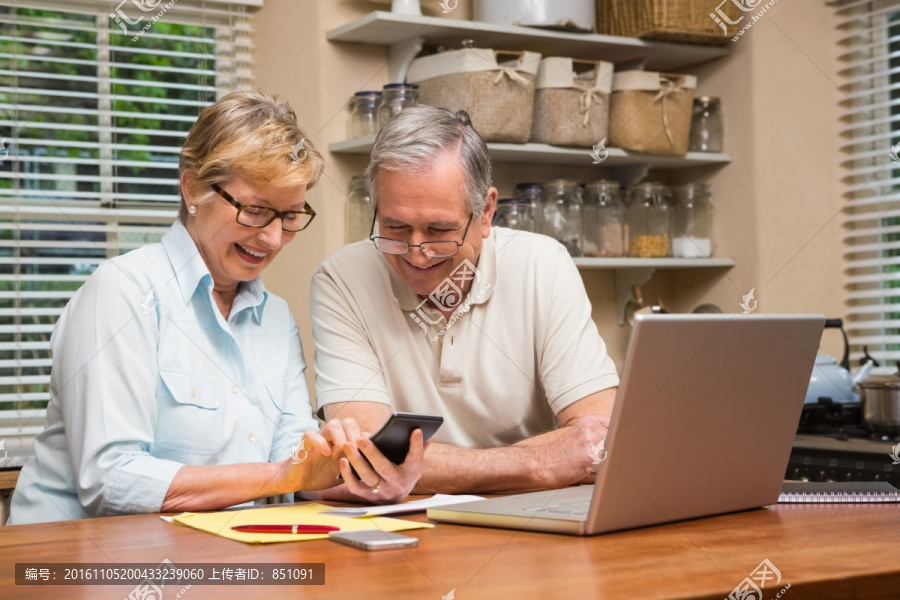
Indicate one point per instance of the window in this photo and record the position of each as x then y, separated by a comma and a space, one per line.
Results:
871, 129
94, 106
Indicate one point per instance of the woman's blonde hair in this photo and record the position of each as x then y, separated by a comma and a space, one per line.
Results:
253, 134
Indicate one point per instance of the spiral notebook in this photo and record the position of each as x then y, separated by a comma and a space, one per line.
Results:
827, 492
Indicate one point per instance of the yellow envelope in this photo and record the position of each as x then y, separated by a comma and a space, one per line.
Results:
220, 523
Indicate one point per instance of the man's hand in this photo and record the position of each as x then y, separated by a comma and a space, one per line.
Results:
564, 456
336, 447
391, 481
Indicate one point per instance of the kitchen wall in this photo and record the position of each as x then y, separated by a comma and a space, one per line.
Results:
776, 205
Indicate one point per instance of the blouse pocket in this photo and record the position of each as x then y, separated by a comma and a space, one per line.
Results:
189, 417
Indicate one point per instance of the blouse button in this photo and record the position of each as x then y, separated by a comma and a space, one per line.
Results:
250, 437
193, 392
234, 389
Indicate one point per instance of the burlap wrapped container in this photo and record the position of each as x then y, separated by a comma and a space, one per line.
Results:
496, 88
571, 102
651, 112
691, 21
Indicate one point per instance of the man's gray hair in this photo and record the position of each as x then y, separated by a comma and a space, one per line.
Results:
413, 140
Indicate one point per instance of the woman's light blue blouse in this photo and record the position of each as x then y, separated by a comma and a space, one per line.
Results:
148, 376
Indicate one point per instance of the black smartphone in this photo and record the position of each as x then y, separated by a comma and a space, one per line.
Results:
393, 437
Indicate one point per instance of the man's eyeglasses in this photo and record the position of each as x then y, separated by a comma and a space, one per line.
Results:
436, 249
251, 215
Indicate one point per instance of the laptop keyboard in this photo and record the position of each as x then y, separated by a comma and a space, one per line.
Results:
564, 508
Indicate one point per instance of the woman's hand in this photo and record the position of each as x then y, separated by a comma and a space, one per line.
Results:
314, 464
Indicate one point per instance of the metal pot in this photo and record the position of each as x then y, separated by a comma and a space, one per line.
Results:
881, 402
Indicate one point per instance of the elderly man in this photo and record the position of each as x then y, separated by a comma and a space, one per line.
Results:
488, 327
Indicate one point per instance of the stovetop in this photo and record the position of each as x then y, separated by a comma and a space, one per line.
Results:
840, 421
833, 443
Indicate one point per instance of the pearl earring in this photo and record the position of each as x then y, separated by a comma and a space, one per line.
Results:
192, 209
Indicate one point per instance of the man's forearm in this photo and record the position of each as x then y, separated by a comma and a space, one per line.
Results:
455, 470
551, 460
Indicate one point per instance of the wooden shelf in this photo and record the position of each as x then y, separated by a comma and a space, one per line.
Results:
652, 263
562, 155
388, 29
629, 272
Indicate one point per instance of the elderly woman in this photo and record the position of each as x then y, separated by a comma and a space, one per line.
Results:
177, 380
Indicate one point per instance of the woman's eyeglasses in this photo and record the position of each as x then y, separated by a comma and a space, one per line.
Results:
252, 215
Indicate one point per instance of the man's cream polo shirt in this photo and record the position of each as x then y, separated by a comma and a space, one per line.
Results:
524, 349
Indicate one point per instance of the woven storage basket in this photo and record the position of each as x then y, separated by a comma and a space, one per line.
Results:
693, 21
651, 112
571, 108
496, 88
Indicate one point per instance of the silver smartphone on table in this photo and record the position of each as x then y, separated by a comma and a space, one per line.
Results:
373, 540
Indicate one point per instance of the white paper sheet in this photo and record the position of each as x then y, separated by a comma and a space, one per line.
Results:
414, 506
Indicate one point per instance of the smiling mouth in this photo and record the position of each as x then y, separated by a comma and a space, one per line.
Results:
251, 253
428, 268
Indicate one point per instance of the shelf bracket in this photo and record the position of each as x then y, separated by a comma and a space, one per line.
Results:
626, 279
628, 175
401, 55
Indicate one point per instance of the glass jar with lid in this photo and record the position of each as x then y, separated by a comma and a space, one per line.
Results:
706, 125
514, 213
692, 221
603, 220
530, 192
561, 213
359, 210
648, 221
394, 98
363, 114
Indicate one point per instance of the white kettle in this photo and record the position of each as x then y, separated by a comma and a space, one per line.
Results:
833, 379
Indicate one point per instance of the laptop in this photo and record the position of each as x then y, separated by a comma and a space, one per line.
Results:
703, 424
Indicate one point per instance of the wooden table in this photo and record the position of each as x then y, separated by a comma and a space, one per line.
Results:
822, 551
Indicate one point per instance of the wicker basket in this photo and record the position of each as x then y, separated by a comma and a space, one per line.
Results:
496, 88
651, 112
571, 102
693, 21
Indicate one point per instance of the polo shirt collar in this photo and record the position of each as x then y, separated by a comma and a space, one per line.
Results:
190, 271
482, 287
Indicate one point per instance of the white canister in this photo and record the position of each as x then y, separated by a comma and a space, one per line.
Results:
581, 13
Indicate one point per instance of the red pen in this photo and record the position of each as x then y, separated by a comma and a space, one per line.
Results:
286, 528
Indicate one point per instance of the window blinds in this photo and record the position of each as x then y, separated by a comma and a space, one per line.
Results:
95, 101
870, 52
